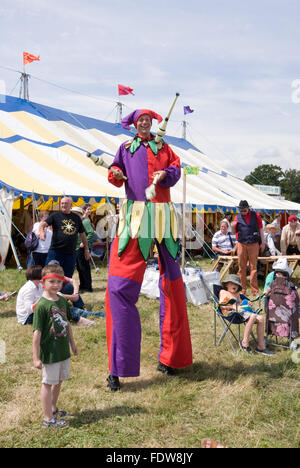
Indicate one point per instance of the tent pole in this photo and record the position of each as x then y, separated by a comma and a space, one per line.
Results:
34, 210
10, 240
184, 129
119, 112
183, 223
24, 88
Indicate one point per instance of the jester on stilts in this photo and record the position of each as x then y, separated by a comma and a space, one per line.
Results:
137, 163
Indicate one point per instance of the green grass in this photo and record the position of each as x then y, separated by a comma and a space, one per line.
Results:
238, 399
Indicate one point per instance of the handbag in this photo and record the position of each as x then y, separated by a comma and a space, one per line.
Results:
31, 242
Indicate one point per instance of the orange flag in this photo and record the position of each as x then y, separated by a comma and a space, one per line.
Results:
28, 58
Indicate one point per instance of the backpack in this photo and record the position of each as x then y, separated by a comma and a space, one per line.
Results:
31, 242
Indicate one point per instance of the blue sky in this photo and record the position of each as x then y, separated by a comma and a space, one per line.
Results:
233, 62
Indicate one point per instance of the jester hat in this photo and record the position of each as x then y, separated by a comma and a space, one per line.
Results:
131, 119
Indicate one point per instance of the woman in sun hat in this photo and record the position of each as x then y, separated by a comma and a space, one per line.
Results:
281, 265
270, 234
290, 237
281, 302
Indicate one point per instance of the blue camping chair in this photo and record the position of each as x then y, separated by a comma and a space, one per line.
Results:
227, 321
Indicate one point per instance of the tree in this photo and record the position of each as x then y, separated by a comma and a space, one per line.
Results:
265, 174
290, 185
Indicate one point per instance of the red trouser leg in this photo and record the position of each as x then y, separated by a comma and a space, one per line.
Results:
176, 348
248, 253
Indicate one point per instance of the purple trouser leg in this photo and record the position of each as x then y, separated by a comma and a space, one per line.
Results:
124, 348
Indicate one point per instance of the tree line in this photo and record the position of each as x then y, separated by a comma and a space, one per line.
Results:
270, 174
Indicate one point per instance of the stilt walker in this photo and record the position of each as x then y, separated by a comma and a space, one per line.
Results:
149, 167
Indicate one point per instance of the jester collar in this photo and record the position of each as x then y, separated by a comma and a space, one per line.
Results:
135, 143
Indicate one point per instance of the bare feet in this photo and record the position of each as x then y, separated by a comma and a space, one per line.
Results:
83, 322
208, 443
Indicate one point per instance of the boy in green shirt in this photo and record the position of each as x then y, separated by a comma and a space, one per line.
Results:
51, 343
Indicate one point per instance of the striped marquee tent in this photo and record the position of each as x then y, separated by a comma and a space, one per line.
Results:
42, 151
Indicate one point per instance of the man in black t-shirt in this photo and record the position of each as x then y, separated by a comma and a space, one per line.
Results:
66, 227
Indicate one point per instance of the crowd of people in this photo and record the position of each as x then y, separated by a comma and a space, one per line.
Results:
249, 236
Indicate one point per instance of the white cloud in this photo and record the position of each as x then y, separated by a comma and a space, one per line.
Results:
233, 63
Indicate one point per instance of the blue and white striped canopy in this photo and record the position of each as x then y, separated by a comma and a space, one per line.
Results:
42, 151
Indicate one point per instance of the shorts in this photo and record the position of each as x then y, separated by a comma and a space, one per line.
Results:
53, 374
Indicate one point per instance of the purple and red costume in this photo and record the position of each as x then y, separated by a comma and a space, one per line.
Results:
126, 271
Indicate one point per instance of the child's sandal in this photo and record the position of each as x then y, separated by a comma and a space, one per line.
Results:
60, 413
54, 423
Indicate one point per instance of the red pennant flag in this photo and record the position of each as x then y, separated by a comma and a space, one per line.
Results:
124, 90
28, 58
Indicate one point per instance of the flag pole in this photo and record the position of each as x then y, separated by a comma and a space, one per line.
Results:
184, 124
183, 222
119, 115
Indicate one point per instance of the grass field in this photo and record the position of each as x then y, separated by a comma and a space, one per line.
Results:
238, 399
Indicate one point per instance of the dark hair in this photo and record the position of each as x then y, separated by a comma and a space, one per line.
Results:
284, 273
34, 272
243, 205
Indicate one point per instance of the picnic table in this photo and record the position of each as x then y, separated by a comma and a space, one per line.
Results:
226, 263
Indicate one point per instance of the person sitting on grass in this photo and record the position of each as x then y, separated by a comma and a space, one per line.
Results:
4, 296
52, 339
32, 290
232, 287
28, 295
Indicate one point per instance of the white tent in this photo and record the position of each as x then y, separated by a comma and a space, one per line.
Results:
42, 152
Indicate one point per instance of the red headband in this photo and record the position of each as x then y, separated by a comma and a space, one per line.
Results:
52, 275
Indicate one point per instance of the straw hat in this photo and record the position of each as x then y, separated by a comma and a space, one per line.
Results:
268, 227
77, 209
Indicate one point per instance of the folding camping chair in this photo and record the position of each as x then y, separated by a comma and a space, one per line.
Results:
227, 321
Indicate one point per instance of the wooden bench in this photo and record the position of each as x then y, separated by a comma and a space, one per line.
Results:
224, 264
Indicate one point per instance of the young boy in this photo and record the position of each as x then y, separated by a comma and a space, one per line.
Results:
232, 287
51, 343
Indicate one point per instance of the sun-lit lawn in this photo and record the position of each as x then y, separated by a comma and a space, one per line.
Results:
241, 400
